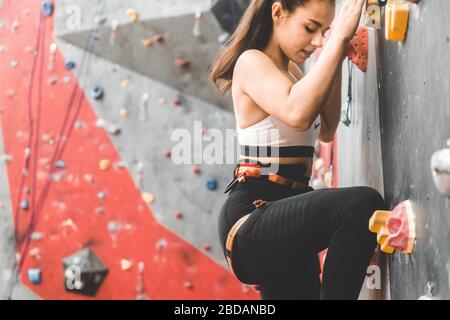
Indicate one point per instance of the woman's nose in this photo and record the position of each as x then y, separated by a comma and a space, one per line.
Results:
317, 41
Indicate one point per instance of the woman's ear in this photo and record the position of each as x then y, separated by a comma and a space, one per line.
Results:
277, 12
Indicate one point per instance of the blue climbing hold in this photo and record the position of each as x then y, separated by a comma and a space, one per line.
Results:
25, 204
47, 8
211, 184
34, 275
97, 93
69, 65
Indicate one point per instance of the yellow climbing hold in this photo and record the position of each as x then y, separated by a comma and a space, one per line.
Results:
104, 164
133, 15
126, 264
148, 198
162, 101
396, 15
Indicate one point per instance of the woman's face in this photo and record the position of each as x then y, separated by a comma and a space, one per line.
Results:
301, 32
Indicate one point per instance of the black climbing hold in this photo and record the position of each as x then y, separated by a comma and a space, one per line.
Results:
84, 272
97, 93
47, 8
69, 65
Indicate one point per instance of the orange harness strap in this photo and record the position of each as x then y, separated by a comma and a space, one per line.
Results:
234, 230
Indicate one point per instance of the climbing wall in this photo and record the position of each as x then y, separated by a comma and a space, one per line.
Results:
399, 117
415, 122
107, 85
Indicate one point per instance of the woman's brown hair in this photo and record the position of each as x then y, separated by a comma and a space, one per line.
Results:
253, 32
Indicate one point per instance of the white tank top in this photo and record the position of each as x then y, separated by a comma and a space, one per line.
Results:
273, 132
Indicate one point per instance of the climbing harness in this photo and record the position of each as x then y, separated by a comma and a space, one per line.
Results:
232, 234
244, 170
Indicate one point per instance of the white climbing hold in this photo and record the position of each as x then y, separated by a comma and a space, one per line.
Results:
126, 264
440, 167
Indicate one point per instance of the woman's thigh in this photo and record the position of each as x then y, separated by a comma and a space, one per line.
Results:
284, 235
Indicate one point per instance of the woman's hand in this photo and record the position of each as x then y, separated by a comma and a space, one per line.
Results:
347, 22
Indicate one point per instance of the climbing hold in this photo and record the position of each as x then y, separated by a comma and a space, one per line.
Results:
197, 20
143, 107
167, 153
5, 158
373, 14
223, 38
162, 101
60, 164
147, 42
206, 247
196, 170
52, 81
395, 229
396, 23
11, 93
358, 48
211, 184
158, 38
14, 25
83, 272
161, 244
124, 112
34, 275
47, 8
69, 65
126, 83
182, 63
133, 15
176, 101
87, 177
97, 93
104, 164
440, 167
178, 215
14, 63
36, 236
101, 194
126, 264
188, 284
67, 79
148, 197
204, 131
25, 204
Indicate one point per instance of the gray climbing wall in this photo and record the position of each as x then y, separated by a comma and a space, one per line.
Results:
150, 70
415, 122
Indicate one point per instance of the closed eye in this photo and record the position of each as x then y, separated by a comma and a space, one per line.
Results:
309, 30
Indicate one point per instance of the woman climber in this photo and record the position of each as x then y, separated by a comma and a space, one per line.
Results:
273, 225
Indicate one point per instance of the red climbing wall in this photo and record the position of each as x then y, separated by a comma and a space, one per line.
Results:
73, 214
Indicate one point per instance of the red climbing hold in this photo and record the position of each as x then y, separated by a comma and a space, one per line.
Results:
196, 170
358, 48
206, 247
158, 38
178, 214
176, 102
167, 153
182, 63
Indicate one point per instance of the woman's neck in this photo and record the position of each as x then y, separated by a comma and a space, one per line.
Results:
279, 58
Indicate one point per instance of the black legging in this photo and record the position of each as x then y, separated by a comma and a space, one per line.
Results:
277, 246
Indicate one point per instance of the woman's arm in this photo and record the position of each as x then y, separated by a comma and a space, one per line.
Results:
331, 113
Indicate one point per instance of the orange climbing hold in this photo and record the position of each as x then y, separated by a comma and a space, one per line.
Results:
396, 229
358, 48
396, 24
